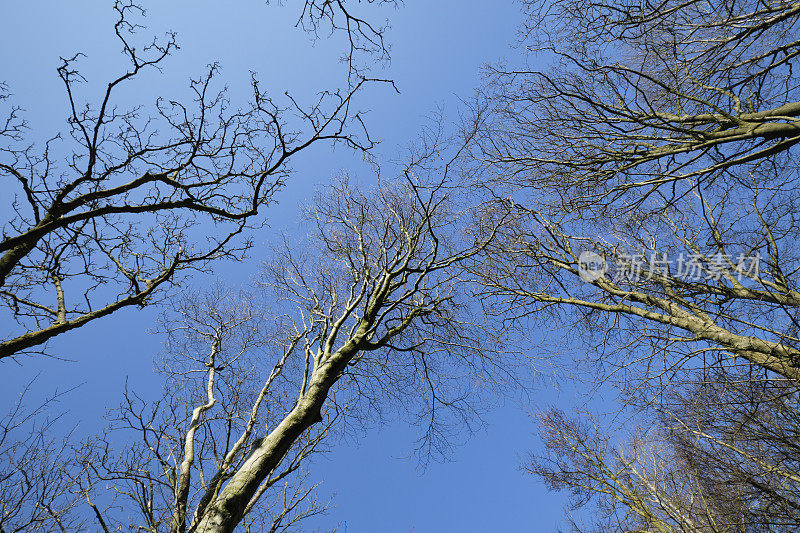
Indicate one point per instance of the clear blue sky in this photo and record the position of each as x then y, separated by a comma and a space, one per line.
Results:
438, 48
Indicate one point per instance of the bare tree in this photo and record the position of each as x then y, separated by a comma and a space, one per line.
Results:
661, 145
721, 455
37, 478
651, 174
364, 36
368, 318
736, 428
219, 397
639, 487
646, 98
115, 209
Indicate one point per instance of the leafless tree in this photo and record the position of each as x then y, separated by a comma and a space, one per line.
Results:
37, 480
651, 174
220, 396
364, 36
379, 315
647, 147
639, 487
118, 207
737, 429
721, 455
365, 318
646, 99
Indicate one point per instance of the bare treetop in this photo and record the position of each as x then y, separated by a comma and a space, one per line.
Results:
128, 198
370, 319
646, 97
365, 36
663, 147
651, 172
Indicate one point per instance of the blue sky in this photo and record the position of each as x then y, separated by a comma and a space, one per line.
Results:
437, 51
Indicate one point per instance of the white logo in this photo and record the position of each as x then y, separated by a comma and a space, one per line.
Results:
591, 266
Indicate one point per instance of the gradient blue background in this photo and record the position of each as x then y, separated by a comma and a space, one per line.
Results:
437, 51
